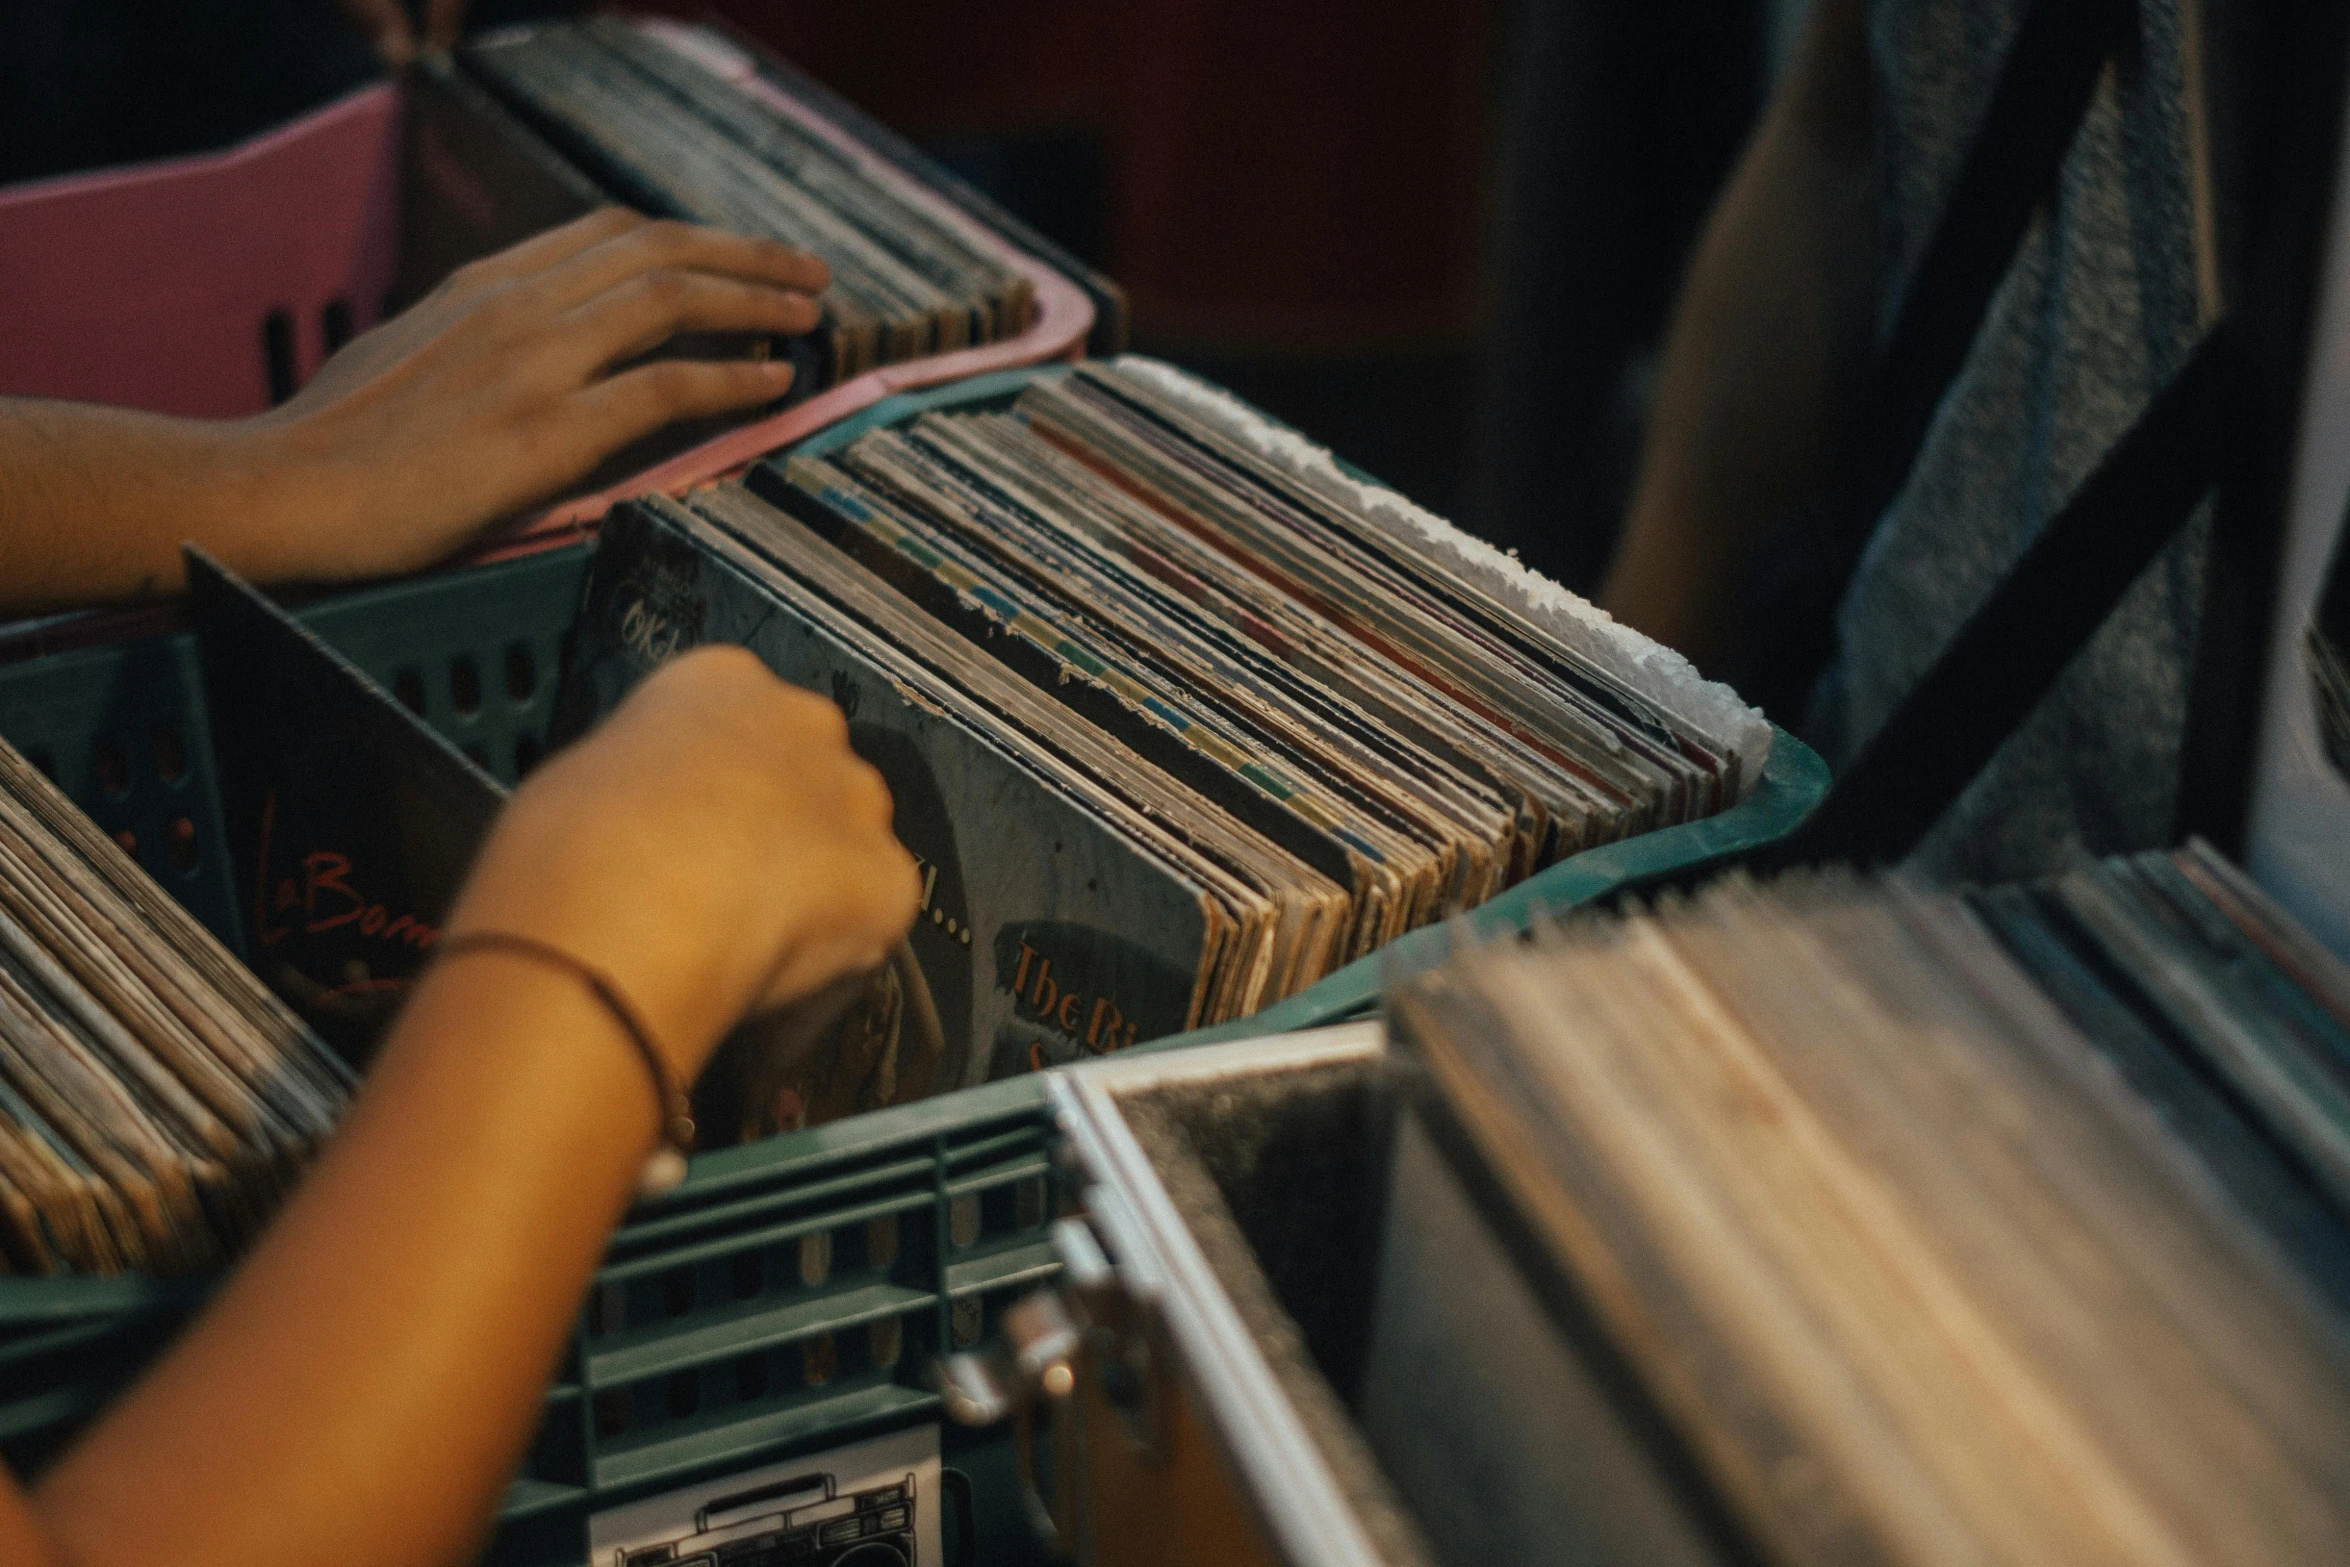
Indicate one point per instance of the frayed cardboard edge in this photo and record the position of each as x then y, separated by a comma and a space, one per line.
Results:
1710, 708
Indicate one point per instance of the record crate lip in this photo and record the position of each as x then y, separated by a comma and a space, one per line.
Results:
920, 1160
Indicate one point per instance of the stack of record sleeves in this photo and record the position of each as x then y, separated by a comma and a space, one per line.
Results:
1994, 1227
155, 1100
1183, 716
662, 132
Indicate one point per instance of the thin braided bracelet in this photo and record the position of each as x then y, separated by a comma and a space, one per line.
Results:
666, 1167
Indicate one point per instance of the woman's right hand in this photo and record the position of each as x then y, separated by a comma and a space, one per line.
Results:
714, 846
384, 1352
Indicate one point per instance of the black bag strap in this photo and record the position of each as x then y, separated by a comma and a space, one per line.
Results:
2012, 649
2011, 168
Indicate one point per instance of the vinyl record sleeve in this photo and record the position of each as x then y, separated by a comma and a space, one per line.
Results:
1065, 937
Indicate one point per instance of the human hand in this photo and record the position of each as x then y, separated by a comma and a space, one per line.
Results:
385, 24
714, 846
509, 381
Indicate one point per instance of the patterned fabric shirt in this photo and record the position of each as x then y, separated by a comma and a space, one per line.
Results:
2104, 300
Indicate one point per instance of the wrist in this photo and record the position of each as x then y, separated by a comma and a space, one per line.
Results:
501, 1021
253, 478
649, 1000
540, 877
290, 511
673, 1112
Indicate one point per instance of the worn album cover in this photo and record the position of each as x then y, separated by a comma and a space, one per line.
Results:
1042, 932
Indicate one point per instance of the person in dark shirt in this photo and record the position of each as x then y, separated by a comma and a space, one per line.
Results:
1803, 264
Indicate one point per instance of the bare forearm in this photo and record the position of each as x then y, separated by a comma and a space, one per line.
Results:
380, 1357
363, 1386
1771, 324
514, 378
95, 501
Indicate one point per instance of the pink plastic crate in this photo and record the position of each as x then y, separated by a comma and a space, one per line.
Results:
173, 285
213, 285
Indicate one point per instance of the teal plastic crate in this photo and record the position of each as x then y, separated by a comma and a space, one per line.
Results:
790, 1295
121, 727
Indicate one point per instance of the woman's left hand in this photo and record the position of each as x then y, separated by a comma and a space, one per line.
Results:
515, 378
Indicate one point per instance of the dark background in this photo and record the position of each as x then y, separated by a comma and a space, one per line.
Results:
1439, 238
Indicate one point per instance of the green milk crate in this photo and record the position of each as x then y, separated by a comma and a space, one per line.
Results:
792, 1294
